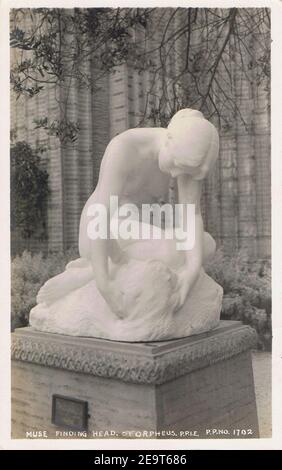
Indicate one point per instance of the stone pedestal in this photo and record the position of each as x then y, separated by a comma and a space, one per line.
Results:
199, 386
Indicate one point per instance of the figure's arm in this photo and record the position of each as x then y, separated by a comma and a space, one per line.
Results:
189, 192
110, 184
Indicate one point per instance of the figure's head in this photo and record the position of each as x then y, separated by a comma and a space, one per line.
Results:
191, 145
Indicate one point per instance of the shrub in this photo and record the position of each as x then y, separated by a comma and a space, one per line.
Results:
28, 273
29, 191
247, 291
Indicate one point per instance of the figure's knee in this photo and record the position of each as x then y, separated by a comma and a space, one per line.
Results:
77, 263
209, 246
169, 253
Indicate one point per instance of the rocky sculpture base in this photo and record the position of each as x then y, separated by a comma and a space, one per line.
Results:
196, 387
84, 312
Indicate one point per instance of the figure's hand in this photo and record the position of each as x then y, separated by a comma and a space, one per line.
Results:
115, 299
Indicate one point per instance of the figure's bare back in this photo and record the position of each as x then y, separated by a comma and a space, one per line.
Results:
136, 154
133, 154
131, 157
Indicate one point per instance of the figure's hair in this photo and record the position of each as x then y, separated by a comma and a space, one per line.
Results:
195, 138
186, 113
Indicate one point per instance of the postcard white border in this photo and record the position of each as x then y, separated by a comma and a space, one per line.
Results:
276, 164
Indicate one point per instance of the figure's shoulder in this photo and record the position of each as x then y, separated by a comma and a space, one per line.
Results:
130, 142
115, 159
132, 136
122, 140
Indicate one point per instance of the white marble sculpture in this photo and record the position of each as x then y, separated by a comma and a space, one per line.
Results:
141, 290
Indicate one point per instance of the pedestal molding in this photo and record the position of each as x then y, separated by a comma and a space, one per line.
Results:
147, 363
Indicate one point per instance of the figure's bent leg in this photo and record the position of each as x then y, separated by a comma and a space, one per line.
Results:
165, 250
162, 249
209, 246
78, 263
60, 285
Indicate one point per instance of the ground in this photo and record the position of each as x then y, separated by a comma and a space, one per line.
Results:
262, 378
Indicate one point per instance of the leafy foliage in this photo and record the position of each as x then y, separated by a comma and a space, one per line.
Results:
247, 291
29, 190
56, 44
65, 129
28, 274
